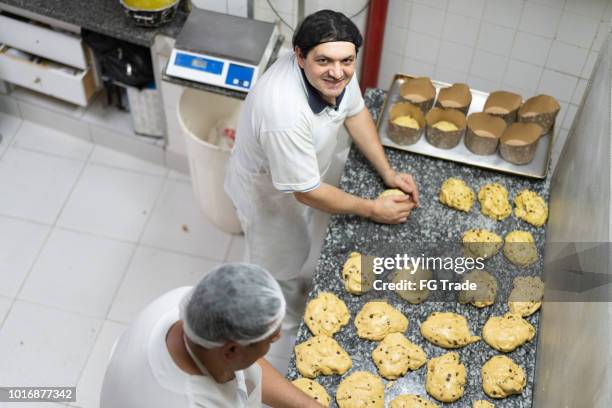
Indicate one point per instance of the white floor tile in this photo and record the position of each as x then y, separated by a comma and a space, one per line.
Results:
177, 224
48, 102
20, 244
78, 272
42, 139
35, 186
237, 249
5, 304
110, 202
109, 157
43, 346
90, 384
152, 273
108, 116
9, 125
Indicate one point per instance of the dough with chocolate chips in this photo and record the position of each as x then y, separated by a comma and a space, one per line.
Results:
481, 243
326, 314
313, 389
486, 289
502, 377
446, 377
417, 295
411, 401
357, 280
520, 248
395, 355
321, 355
482, 404
526, 296
530, 207
359, 390
448, 330
506, 333
378, 319
456, 194
493, 199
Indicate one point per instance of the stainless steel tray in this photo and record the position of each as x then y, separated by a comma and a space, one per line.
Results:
538, 168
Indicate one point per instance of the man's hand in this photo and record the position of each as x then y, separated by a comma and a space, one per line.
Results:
404, 182
392, 209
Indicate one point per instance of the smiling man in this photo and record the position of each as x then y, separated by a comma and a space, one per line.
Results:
285, 142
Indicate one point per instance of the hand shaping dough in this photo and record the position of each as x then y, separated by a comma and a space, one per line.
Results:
481, 243
448, 330
361, 389
502, 377
356, 280
392, 192
493, 199
482, 404
326, 314
411, 401
520, 248
321, 355
506, 333
378, 319
406, 121
530, 207
417, 295
445, 126
445, 377
313, 389
456, 194
395, 355
526, 296
486, 289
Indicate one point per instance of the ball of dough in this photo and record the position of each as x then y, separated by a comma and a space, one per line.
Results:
481, 243
406, 121
392, 192
456, 194
445, 377
361, 389
520, 248
395, 355
326, 314
502, 377
417, 295
526, 296
482, 404
530, 207
506, 333
445, 126
378, 319
493, 199
486, 289
321, 355
313, 389
448, 330
411, 401
358, 278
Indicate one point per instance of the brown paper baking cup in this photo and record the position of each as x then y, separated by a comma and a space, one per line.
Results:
403, 135
503, 104
457, 96
519, 142
483, 133
541, 110
440, 138
419, 92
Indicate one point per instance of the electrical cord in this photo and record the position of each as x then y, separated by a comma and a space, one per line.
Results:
365, 6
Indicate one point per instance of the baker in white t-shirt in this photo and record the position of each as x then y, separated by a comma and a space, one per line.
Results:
203, 347
285, 141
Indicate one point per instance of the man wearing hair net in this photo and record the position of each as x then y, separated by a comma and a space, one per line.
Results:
285, 143
203, 347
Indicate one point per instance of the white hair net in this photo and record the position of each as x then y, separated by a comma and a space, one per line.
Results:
234, 302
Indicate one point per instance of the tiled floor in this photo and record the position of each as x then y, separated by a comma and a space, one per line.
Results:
88, 237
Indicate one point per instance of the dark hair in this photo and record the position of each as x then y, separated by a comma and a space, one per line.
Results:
325, 26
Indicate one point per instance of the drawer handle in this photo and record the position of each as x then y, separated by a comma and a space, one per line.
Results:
36, 80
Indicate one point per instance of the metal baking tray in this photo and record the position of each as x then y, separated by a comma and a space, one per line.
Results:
538, 168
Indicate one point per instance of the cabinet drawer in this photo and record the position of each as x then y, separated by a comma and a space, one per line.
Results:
69, 84
43, 41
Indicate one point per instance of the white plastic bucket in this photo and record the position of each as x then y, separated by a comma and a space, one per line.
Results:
198, 112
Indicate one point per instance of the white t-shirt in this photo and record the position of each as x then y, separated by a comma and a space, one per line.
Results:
142, 374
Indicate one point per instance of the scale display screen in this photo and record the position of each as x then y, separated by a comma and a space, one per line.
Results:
202, 64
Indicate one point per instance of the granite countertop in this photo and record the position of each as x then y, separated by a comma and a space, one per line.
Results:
101, 16
430, 226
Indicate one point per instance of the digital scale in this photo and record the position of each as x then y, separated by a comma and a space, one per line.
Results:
222, 50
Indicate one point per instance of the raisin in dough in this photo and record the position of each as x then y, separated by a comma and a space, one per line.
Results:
481, 243
411, 401
502, 377
378, 319
360, 390
493, 199
456, 194
530, 207
448, 330
520, 248
313, 389
326, 314
526, 296
417, 295
506, 333
395, 355
446, 377
486, 289
321, 355
357, 280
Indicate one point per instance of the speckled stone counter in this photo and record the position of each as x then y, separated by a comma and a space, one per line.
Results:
101, 16
430, 224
